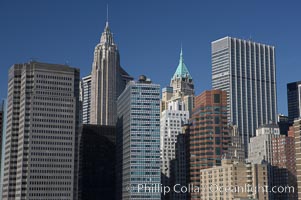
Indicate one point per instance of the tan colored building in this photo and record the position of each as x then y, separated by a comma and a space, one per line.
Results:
234, 180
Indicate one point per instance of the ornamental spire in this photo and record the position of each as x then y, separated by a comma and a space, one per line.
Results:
182, 71
107, 36
107, 22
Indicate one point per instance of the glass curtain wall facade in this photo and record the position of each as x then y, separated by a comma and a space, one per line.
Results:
138, 141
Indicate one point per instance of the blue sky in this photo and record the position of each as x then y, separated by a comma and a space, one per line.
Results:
149, 35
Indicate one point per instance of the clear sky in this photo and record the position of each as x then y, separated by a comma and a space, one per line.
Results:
149, 35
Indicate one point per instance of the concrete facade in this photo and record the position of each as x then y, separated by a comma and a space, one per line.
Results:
246, 70
41, 134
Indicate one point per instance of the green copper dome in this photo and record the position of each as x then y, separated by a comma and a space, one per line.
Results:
182, 71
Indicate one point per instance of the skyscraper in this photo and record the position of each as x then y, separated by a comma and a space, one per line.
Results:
138, 141
176, 105
246, 70
209, 134
108, 80
171, 122
181, 87
181, 81
97, 159
86, 98
294, 101
42, 128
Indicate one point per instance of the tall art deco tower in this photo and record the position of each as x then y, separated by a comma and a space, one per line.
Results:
108, 80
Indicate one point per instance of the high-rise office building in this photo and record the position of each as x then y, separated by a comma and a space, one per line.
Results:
108, 80
246, 70
97, 160
138, 141
176, 105
86, 99
209, 135
294, 101
41, 132
171, 123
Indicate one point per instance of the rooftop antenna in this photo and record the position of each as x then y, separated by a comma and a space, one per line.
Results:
33, 59
181, 53
107, 14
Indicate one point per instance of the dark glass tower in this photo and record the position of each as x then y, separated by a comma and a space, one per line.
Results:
97, 162
293, 100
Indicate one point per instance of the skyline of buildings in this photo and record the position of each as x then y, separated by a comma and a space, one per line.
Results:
247, 71
43, 136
